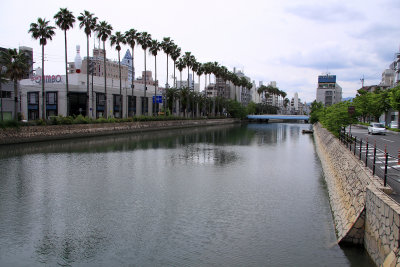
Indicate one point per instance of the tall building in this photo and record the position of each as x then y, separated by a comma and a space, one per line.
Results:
328, 91
97, 66
127, 61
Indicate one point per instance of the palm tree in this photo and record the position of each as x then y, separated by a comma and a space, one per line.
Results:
189, 59
167, 45
131, 38
180, 65
175, 54
103, 30
16, 64
155, 46
65, 20
88, 22
117, 39
42, 31
145, 41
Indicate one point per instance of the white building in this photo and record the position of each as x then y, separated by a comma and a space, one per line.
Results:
328, 91
131, 102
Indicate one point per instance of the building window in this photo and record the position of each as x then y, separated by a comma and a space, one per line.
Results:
33, 105
51, 98
5, 94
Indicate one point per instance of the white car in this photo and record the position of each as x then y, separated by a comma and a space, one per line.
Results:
376, 128
394, 125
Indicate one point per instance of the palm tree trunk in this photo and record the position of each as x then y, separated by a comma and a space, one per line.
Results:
120, 86
155, 87
15, 99
167, 73
145, 84
87, 75
133, 78
105, 80
174, 74
66, 71
43, 81
180, 85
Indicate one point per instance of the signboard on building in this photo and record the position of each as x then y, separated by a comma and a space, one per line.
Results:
327, 79
47, 78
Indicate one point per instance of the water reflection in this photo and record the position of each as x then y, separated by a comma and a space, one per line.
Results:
220, 135
248, 195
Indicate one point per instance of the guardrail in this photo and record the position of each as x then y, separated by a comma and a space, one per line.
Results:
380, 161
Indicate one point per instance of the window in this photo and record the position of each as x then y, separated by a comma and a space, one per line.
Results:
5, 94
33, 98
51, 98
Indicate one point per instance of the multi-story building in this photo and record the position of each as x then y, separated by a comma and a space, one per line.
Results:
97, 66
192, 85
328, 91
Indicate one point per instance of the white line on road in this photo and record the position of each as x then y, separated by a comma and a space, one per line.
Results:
391, 141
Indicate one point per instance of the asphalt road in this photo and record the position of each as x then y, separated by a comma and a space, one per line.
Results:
391, 139
392, 143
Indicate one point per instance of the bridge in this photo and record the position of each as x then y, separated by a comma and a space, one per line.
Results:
266, 118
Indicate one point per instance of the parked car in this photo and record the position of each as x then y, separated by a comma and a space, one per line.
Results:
376, 128
394, 125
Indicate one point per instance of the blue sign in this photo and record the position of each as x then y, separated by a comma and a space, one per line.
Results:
327, 79
159, 99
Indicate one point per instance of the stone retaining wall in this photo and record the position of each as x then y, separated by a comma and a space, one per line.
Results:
347, 182
362, 211
52, 132
382, 227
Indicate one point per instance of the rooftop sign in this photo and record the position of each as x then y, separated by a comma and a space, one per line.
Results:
327, 79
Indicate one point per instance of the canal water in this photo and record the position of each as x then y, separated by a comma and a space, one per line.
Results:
238, 195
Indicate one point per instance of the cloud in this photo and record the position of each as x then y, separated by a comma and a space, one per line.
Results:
325, 13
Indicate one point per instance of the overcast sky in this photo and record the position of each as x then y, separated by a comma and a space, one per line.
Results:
287, 41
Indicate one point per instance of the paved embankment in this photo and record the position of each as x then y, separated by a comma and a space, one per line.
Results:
362, 211
54, 132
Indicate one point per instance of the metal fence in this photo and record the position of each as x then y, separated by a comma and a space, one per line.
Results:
380, 161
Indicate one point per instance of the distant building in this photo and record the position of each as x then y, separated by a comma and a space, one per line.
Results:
97, 66
192, 85
328, 91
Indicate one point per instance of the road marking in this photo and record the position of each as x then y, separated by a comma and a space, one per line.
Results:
387, 140
391, 167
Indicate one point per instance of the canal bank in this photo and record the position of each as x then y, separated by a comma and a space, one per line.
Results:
363, 213
29, 134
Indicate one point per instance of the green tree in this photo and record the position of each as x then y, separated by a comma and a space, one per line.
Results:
16, 64
362, 103
395, 100
337, 116
88, 22
65, 20
117, 39
251, 108
42, 31
317, 111
103, 30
